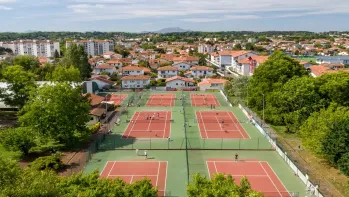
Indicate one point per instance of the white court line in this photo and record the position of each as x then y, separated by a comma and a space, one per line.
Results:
270, 178
157, 176
208, 170
133, 124
130, 175
233, 161
203, 124
131, 179
220, 125
143, 130
164, 130
237, 125
124, 134
218, 130
215, 167
111, 168
166, 175
149, 123
104, 167
276, 175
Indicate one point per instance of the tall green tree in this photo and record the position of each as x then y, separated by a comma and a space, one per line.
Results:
58, 112
77, 57
271, 76
63, 73
56, 55
20, 84
28, 62
295, 101
18, 139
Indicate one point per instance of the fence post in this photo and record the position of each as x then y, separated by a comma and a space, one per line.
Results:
258, 143
150, 144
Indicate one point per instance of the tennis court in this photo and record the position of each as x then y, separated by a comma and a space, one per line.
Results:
131, 171
220, 124
201, 100
118, 98
149, 124
166, 100
259, 173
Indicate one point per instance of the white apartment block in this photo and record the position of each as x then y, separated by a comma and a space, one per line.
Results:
37, 48
205, 48
94, 47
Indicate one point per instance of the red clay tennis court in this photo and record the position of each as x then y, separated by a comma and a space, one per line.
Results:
166, 100
220, 124
259, 173
118, 98
203, 100
149, 124
131, 171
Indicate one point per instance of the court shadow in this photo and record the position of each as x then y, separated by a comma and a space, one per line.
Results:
115, 141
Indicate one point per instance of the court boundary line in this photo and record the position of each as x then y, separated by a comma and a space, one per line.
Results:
157, 176
270, 179
211, 96
249, 137
165, 176
237, 125
111, 168
151, 98
276, 176
203, 126
133, 124
104, 168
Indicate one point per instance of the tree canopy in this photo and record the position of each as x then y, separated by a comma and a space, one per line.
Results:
77, 57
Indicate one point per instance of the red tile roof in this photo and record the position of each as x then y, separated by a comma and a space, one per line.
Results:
136, 77
259, 59
168, 68
105, 66
183, 59
209, 81
131, 68
94, 99
201, 68
179, 78
103, 80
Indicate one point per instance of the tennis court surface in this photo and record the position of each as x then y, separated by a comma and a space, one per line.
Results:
118, 98
149, 124
259, 173
166, 100
220, 124
202, 100
131, 171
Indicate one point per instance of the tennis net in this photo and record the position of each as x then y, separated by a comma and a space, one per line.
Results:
220, 121
149, 121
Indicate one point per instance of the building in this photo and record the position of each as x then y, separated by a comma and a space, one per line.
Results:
135, 81
167, 72
201, 71
102, 82
94, 47
318, 70
179, 82
212, 84
131, 70
104, 68
183, 66
189, 60
205, 48
332, 59
37, 48
247, 66
115, 62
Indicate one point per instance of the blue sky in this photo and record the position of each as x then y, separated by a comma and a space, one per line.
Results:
198, 15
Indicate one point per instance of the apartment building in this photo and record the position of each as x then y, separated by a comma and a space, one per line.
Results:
37, 48
205, 48
94, 47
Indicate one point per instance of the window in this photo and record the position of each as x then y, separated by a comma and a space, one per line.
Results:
176, 84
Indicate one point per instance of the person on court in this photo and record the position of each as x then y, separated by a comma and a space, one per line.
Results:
146, 154
236, 157
137, 151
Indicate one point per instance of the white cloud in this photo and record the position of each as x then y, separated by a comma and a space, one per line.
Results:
7, 1
5, 8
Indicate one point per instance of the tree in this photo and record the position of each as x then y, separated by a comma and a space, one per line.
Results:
18, 139
62, 73
237, 47
317, 127
28, 62
9, 171
202, 61
58, 112
20, 84
77, 57
270, 76
295, 101
42, 72
220, 186
56, 55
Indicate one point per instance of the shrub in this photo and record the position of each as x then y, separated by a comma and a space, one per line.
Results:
52, 162
343, 164
95, 127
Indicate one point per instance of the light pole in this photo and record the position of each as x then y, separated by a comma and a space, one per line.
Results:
263, 111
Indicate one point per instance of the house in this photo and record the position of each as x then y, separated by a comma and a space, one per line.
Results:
305, 64
182, 66
239, 55
96, 115
188, 74
212, 84
167, 72
318, 70
131, 70
168, 57
104, 68
189, 60
201, 71
94, 99
108, 54
102, 82
135, 81
247, 66
332, 59
115, 62
179, 82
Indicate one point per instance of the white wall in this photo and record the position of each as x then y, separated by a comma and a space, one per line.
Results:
178, 84
199, 73
167, 73
135, 83
225, 60
133, 72
182, 66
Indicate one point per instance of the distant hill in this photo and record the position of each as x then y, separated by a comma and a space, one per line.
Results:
168, 30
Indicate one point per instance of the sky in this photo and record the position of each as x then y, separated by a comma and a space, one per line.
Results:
195, 15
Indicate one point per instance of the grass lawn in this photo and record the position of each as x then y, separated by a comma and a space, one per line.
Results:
307, 59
